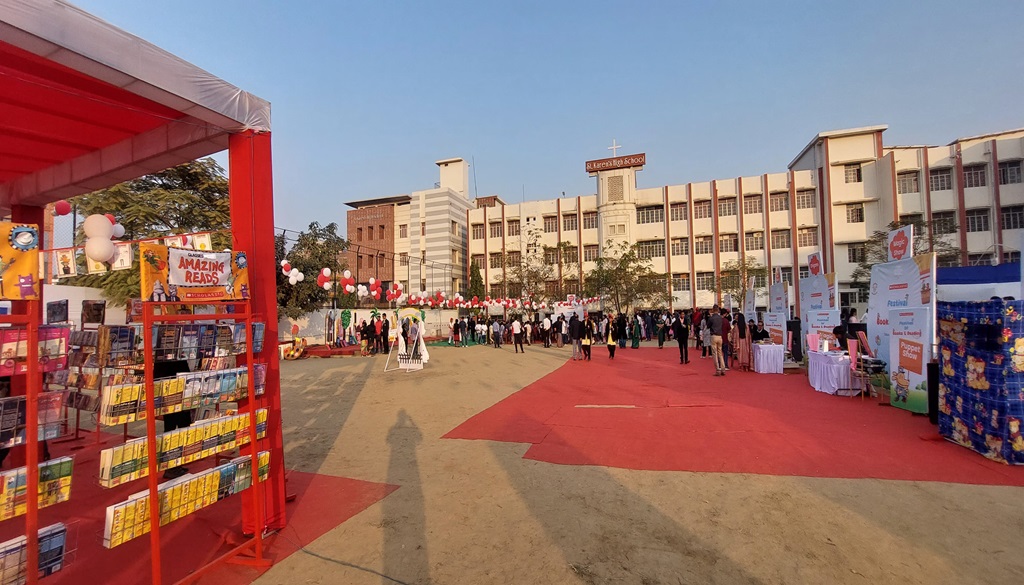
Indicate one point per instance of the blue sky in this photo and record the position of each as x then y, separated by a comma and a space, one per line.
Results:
366, 96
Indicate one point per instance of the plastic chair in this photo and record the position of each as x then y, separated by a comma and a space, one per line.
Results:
858, 375
813, 342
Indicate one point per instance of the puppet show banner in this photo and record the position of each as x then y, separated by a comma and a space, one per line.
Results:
910, 349
903, 284
178, 274
19, 262
776, 326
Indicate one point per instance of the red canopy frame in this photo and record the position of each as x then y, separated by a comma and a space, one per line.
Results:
85, 105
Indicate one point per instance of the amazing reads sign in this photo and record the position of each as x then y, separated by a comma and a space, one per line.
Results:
175, 274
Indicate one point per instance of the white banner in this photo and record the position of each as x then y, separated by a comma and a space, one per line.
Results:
822, 323
817, 293
775, 325
901, 284
749, 304
779, 298
727, 302
900, 243
194, 268
910, 351
814, 265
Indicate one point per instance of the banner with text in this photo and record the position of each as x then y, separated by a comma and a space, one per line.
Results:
902, 284
177, 274
19, 261
749, 304
775, 325
900, 243
814, 265
817, 293
910, 349
822, 323
779, 298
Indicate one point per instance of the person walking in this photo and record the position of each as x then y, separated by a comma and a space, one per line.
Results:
621, 330
662, 330
682, 334
587, 338
496, 333
517, 335
576, 336
384, 330
715, 325
637, 331
727, 347
612, 339
546, 330
741, 340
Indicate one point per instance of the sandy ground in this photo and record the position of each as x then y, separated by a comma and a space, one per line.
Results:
475, 512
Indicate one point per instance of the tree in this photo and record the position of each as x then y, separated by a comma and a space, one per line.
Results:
876, 249
734, 277
188, 198
313, 250
626, 278
476, 282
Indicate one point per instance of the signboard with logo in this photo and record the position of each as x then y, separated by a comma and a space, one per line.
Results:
177, 274
775, 325
910, 350
822, 323
817, 293
814, 265
900, 243
778, 298
902, 284
618, 162
19, 261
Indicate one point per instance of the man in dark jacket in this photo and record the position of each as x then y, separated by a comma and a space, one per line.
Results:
682, 334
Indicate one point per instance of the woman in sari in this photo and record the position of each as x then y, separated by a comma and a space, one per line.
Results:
637, 332
741, 340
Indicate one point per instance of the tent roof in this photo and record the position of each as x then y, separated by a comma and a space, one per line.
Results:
85, 105
1006, 272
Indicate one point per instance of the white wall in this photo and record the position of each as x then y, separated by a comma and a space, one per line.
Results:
75, 295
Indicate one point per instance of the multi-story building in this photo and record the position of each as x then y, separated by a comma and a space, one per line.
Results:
417, 239
840, 189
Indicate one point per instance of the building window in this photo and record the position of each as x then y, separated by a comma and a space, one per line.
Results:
974, 175
940, 179
804, 272
477, 259
495, 229
754, 241
359, 234
911, 218
1013, 217
729, 243
1009, 172
907, 182
677, 212
572, 287
787, 274
701, 209
478, 231
807, 237
726, 207
514, 258
455, 228
650, 214
513, 227
403, 259
760, 281
781, 239
496, 291
455, 257
703, 245
855, 213
680, 281
1011, 257
948, 260
551, 287
944, 222
551, 256
805, 199
778, 202
570, 223
550, 224
856, 253
590, 253
423, 228
977, 220
590, 220
616, 229
403, 230
369, 233
515, 290
651, 249
495, 259
680, 246
753, 204
705, 281
979, 260
571, 255
852, 173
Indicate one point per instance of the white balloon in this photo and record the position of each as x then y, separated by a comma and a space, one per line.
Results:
347, 274
399, 286
327, 286
292, 280
100, 248
97, 226
372, 280
300, 277
294, 272
118, 230
326, 271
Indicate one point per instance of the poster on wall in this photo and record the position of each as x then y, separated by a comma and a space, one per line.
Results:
779, 298
64, 263
775, 325
901, 284
814, 265
123, 257
178, 274
910, 348
19, 261
900, 243
822, 323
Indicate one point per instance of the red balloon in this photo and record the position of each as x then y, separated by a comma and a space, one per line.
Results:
62, 207
110, 216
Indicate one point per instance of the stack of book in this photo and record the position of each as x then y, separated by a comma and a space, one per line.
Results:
200, 341
179, 497
54, 487
52, 344
129, 461
12, 421
14, 557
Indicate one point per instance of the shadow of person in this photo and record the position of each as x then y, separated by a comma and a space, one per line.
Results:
403, 519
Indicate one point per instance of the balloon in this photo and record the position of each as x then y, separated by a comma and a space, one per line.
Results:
300, 277
326, 272
350, 288
97, 226
293, 272
326, 285
347, 274
372, 280
399, 286
110, 217
62, 207
118, 231
99, 249
292, 280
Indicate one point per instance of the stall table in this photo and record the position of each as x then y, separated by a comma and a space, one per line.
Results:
768, 358
829, 372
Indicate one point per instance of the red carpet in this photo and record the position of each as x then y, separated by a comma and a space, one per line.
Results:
685, 419
322, 503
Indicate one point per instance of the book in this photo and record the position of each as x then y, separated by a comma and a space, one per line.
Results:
207, 341
189, 342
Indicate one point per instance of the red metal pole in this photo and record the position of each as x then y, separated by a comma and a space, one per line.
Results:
154, 492
257, 500
33, 382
